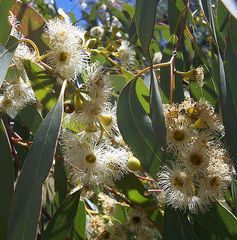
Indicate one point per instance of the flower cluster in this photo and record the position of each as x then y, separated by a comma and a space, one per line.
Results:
16, 90
202, 169
137, 224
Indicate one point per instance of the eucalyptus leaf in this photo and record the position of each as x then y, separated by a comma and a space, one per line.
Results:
6, 180
24, 219
177, 226
62, 221
145, 12
136, 127
6, 55
43, 84
5, 28
219, 221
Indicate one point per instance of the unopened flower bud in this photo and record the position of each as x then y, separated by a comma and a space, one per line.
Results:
87, 36
106, 119
92, 43
133, 163
78, 103
110, 48
194, 74
69, 107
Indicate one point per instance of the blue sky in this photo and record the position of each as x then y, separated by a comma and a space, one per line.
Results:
68, 5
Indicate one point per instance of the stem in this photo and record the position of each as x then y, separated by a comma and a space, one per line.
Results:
159, 65
182, 27
172, 81
26, 40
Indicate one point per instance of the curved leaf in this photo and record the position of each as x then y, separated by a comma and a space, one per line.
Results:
5, 6
31, 118
62, 221
32, 24
145, 13
6, 55
136, 127
219, 221
80, 220
157, 114
26, 202
43, 85
133, 190
177, 226
6, 180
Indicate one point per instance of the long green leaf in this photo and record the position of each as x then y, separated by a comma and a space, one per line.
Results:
62, 222
6, 54
219, 221
43, 85
31, 118
80, 220
133, 190
5, 6
26, 203
226, 101
145, 12
6, 180
157, 114
136, 127
177, 226
32, 24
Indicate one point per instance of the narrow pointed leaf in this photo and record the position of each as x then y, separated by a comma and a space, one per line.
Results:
32, 24
31, 118
26, 202
157, 114
6, 180
80, 220
43, 85
136, 127
62, 221
145, 12
177, 226
133, 190
219, 221
5, 28
6, 54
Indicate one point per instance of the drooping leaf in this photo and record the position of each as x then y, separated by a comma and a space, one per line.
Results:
5, 29
226, 99
6, 180
177, 226
24, 219
60, 180
219, 221
136, 127
43, 84
157, 113
230, 58
175, 8
133, 190
80, 220
31, 118
32, 24
145, 12
231, 5
6, 54
62, 221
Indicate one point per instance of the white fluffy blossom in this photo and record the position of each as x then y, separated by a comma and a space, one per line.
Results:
126, 54
15, 97
93, 164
